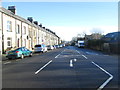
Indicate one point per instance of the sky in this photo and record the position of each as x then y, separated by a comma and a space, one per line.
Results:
67, 19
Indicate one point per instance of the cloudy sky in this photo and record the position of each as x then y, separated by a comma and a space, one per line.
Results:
68, 19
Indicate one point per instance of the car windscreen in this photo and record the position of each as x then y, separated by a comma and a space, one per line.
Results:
17, 49
37, 45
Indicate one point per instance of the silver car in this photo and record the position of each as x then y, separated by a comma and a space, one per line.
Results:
50, 47
40, 48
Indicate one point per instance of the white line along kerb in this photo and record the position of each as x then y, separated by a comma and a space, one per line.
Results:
43, 67
7, 62
108, 80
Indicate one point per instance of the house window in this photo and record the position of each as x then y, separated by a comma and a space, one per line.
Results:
9, 26
9, 42
18, 29
24, 30
34, 33
30, 33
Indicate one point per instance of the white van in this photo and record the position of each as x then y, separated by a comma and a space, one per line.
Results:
40, 48
81, 43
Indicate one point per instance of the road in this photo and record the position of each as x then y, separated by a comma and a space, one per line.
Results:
67, 67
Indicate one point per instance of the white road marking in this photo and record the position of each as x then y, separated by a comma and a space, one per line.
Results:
71, 63
108, 80
106, 55
59, 54
63, 51
84, 56
91, 53
63, 56
75, 60
7, 62
77, 51
18, 60
43, 67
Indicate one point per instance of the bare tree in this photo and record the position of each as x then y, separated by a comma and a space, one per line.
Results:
97, 30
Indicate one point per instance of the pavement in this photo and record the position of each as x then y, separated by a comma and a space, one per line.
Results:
68, 67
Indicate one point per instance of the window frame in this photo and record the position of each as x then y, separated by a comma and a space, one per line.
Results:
9, 26
18, 29
24, 30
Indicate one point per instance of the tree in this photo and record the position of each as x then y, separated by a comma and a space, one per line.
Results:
97, 30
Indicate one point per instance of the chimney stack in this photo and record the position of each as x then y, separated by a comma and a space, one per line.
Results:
43, 27
12, 9
36, 22
30, 19
40, 25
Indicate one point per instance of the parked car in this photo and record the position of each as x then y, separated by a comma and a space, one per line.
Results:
54, 46
57, 46
40, 48
19, 53
61, 46
50, 47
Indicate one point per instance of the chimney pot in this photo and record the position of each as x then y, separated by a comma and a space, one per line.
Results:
12, 9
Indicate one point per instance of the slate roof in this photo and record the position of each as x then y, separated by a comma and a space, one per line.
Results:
110, 37
8, 12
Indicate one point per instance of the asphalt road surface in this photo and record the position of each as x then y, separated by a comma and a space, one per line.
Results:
67, 67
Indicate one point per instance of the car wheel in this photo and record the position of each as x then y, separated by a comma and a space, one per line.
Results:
22, 56
30, 55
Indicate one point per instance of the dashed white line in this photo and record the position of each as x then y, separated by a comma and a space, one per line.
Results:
63, 51
106, 55
108, 80
43, 67
84, 56
7, 62
77, 51
91, 53
59, 54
